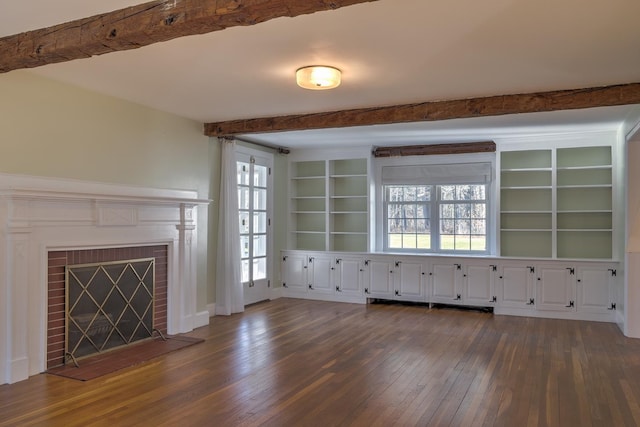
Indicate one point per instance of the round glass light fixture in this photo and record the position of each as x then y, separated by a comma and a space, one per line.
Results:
318, 77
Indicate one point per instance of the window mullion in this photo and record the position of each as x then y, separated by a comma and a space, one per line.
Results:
385, 226
251, 213
435, 223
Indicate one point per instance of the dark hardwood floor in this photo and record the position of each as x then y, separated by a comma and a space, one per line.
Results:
305, 363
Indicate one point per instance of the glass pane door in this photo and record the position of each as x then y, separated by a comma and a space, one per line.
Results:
253, 198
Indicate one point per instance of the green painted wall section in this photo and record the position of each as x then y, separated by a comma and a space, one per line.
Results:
56, 130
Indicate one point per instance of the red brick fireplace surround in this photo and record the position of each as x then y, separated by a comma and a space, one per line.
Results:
48, 223
57, 260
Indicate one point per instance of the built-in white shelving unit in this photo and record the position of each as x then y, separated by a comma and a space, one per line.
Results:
308, 205
526, 200
329, 205
584, 211
557, 203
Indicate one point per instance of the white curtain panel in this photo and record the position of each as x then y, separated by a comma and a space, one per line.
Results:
229, 292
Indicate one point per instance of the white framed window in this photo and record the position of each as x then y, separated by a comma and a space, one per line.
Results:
462, 218
435, 207
408, 217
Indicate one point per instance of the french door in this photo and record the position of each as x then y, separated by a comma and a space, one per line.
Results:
255, 205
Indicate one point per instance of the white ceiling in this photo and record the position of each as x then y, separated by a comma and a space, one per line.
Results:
390, 51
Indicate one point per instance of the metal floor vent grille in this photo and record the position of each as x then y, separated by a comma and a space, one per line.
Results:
108, 305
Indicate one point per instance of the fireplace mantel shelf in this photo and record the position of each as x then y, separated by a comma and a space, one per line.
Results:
30, 194
33, 187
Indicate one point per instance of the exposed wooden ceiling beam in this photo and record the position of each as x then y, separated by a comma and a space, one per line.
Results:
145, 24
436, 149
571, 99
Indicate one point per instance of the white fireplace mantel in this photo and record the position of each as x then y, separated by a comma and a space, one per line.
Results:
38, 215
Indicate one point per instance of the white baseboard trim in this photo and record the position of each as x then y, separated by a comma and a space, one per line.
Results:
275, 293
201, 319
211, 308
18, 370
352, 299
620, 320
548, 314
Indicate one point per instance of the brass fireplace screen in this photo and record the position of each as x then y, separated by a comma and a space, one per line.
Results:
108, 305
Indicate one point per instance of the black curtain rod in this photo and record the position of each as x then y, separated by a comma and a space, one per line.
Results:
279, 150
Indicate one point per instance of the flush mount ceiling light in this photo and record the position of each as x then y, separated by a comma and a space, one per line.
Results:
318, 77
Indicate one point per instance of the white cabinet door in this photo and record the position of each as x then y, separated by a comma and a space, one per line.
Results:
445, 283
594, 286
320, 269
516, 286
379, 284
294, 272
478, 289
348, 276
409, 281
555, 288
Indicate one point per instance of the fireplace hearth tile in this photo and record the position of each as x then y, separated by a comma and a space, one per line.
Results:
124, 357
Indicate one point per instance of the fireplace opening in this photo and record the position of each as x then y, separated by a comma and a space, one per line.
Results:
108, 305
97, 323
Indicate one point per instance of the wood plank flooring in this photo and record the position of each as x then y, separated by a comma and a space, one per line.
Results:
307, 363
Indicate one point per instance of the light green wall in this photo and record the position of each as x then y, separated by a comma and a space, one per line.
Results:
57, 130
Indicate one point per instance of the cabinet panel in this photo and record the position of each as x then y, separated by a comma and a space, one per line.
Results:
380, 284
409, 281
320, 269
479, 285
516, 286
594, 289
555, 289
444, 278
294, 272
348, 276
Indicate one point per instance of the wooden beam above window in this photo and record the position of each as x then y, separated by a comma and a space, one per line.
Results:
435, 149
571, 99
146, 24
